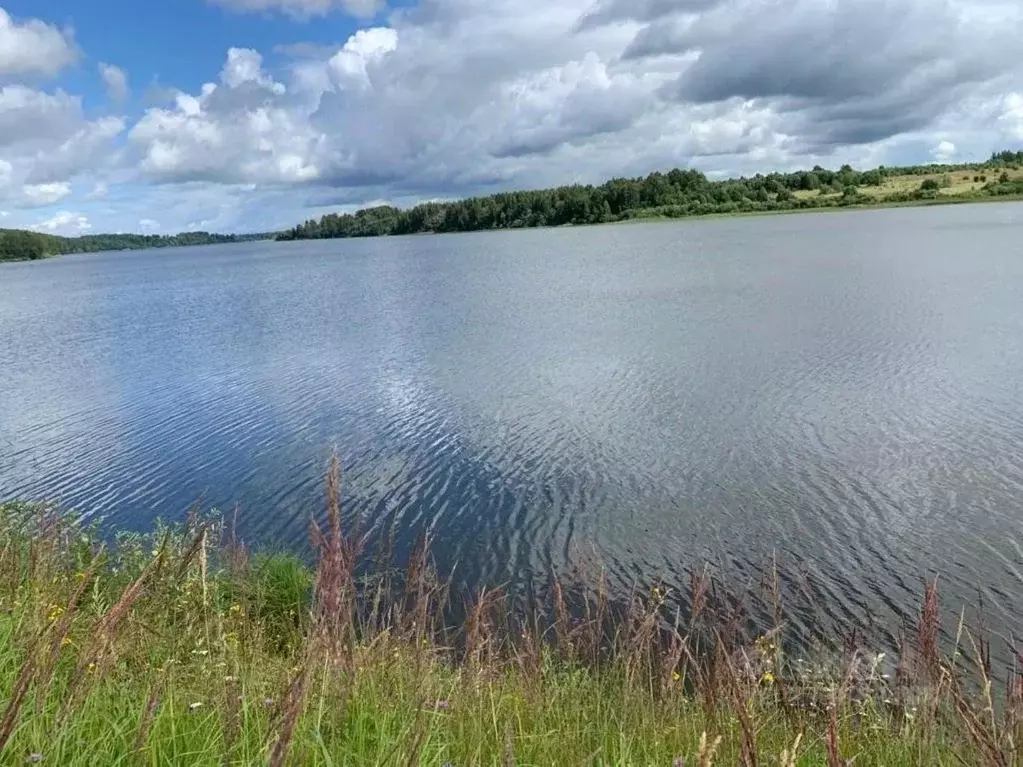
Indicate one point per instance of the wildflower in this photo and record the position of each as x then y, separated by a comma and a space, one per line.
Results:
236, 609
675, 675
195, 706
678, 761
33, 758
66, 641
55, 612
442, 705
767, 678
92, 668
268, 701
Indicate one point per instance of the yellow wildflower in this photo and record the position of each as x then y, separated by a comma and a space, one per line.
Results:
767, 678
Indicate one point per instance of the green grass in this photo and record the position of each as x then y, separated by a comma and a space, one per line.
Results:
179, 648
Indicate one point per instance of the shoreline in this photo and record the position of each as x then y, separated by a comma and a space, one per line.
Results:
182, 647
639, 218
681, 194
947, 200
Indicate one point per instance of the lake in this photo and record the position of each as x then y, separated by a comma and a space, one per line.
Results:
842, 391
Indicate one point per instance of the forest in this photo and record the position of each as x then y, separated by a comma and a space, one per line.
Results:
675, 194
22, 245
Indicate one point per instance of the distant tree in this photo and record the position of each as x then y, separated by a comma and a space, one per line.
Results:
930, 185
809, 181
18, 245
871, 178
1004, 178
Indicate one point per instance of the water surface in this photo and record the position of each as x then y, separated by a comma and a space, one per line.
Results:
842, 390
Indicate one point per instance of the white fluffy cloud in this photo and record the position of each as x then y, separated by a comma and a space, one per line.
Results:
1012, 116
64, 223
944, 152
47, 141
29, 116
40, 195
115, 80
306, 8
33, 48
366, 46
243, 130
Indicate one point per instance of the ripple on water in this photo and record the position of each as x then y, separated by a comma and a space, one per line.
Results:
840, 392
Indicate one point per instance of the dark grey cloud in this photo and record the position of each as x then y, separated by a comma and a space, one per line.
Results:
593, 119
611, 11
850, 71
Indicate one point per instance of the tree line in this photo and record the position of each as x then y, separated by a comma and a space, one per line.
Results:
22, 245
675, 194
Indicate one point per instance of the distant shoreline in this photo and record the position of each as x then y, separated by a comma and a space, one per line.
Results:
18, 245
673, 196
656, 219
684, 194
946, 200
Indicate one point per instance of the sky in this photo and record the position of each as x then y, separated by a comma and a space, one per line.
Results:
253, 115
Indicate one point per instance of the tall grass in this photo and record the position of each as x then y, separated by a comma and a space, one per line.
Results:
181, 648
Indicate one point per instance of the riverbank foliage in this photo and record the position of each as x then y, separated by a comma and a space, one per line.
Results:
22, 245
182, 648
681, 194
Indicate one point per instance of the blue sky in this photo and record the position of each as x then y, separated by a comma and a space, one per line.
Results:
244, 115
177, 43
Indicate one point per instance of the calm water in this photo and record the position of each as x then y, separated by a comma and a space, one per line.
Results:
845, 390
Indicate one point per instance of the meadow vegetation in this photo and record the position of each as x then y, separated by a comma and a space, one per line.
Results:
181, 647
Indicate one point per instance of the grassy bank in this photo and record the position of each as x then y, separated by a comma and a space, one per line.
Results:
181, 647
